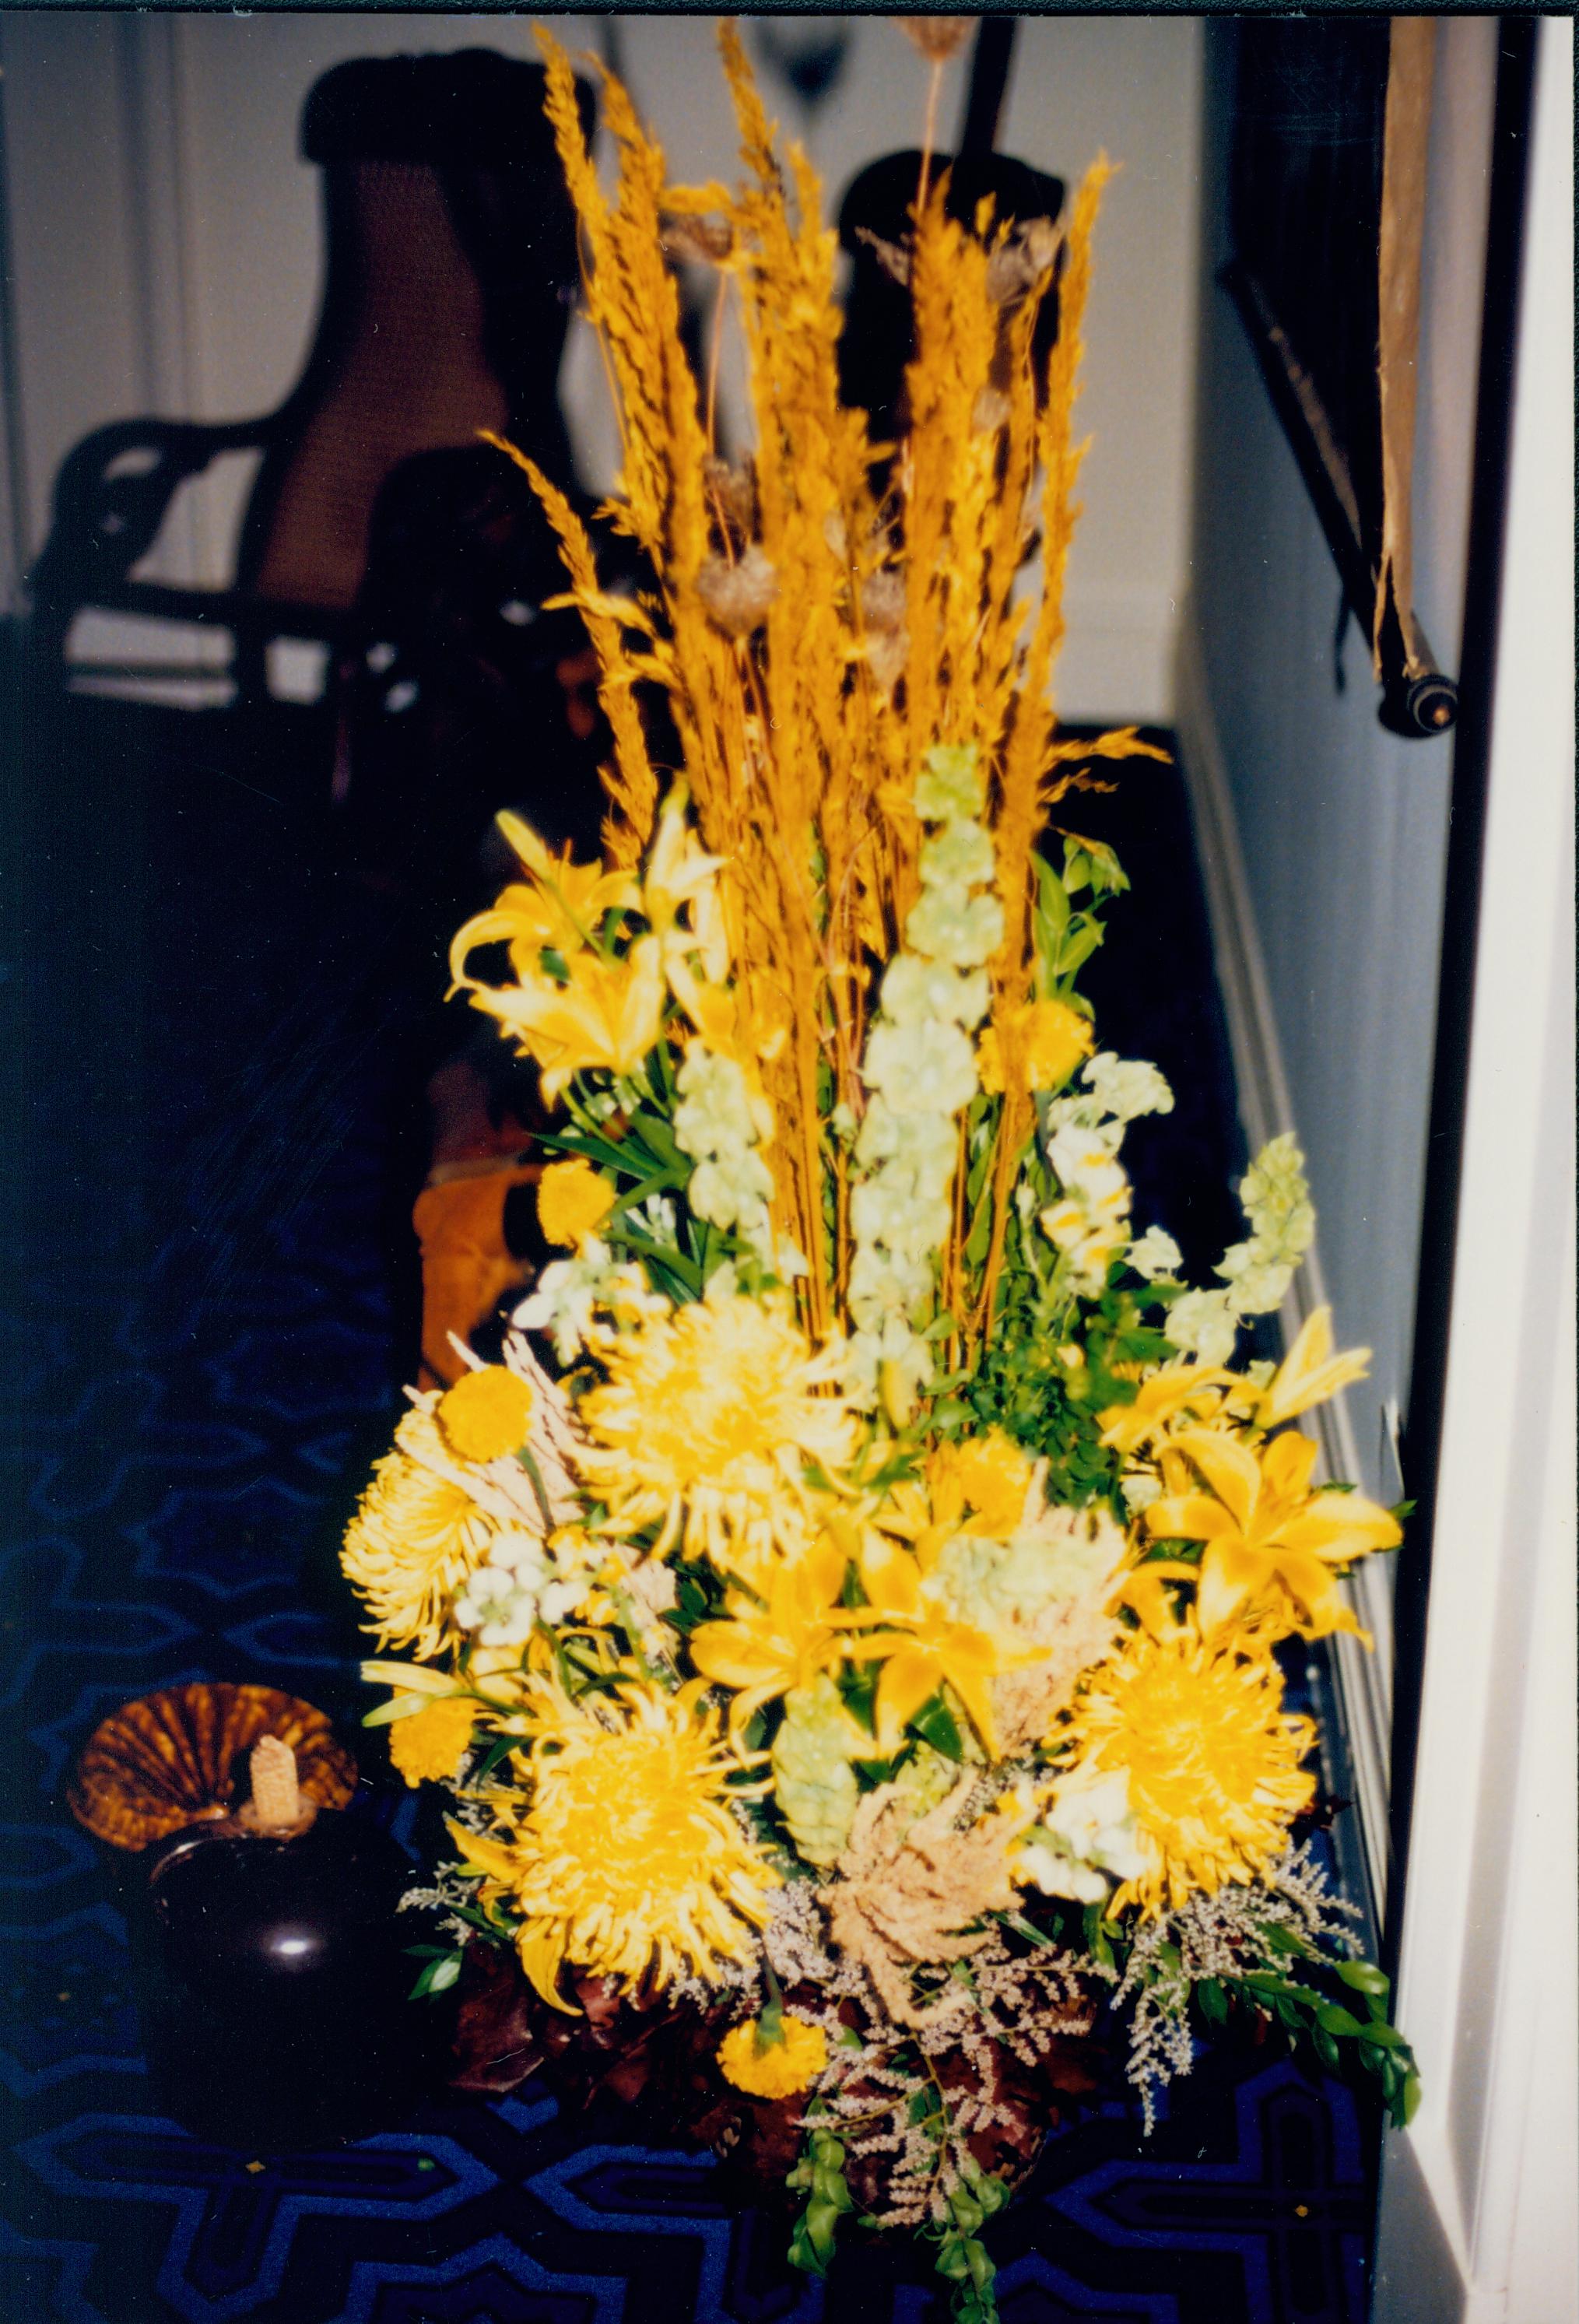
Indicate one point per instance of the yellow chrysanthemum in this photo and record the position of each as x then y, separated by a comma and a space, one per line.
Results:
573, 1199
707, 1421
628, 1860
1214, 1760
774, 2068
1045, 1041
416, 1536
486, 1414
429, 1746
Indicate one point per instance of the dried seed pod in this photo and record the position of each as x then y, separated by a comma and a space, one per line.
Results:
1023, 261
702, 241
733, 492
938, 37
883, 600
992, 411
171, 1759
893, 257
886, 652
738, 596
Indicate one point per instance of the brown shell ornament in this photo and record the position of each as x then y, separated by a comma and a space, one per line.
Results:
178, 1758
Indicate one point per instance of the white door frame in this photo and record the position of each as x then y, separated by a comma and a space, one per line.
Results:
1479, 2200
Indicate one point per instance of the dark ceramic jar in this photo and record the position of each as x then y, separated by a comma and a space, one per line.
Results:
272, 1984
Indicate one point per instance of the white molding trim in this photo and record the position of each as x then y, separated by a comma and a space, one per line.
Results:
1480, 2188
1363, 1680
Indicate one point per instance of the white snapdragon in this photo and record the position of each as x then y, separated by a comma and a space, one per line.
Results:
524, 1582
1090, 1222
917, 991
717, 1123
1126, 1087
499, 1604
1257, 1272
919, 1068
1087, 1840
1081, 1136
570, 1293
1155, 1256
896, 1354
1204, 1324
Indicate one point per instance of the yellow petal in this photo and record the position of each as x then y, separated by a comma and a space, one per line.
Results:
1340, 1526
488, 1856
1142, 1589
970, 1681
528, 847
412, 1678
1229, 1573
909, 1680
1313, 1587
542, 1959
1188, 1516
728, 1653
1287, 1463
1230, 1468
1309, 1373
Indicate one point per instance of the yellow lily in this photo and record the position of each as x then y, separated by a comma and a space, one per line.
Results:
764, 1649
418, 1686
1264, 1529
1187, 1390
984, 1486
563, 906
609, 1013
679, 873
1309, 1373
933, 1648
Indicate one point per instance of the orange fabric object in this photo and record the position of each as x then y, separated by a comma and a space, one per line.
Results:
466, 1265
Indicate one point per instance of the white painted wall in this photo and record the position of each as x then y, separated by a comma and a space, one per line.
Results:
166, 243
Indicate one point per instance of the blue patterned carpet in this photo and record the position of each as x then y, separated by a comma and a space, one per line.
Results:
217, 1039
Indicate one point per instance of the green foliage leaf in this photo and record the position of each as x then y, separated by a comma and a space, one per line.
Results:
1277, 1939
1333, 2018
1213, 2001
438, 1977
935, 1724
1365, 1977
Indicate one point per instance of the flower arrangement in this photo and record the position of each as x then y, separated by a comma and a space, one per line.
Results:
845, 1620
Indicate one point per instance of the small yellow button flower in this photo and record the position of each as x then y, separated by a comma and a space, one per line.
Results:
1051, 1037
486, 1414
987, 1474
773, 2069
430, 1746
572, 1201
